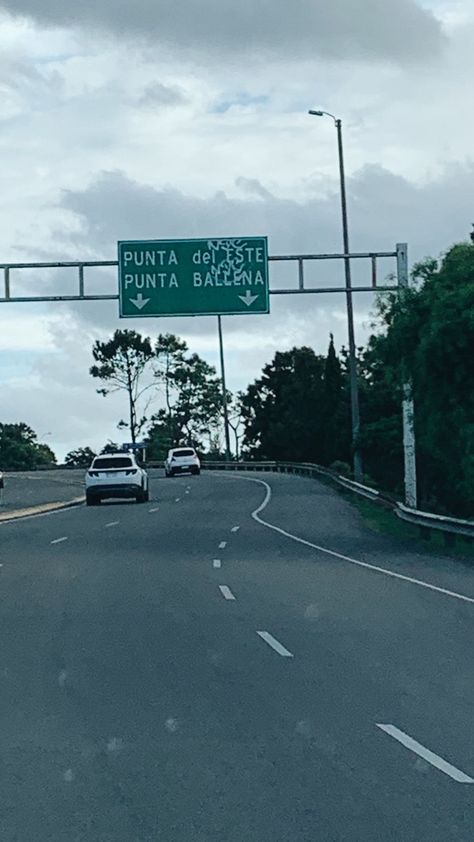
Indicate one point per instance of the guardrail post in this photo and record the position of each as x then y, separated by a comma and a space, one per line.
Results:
449, 539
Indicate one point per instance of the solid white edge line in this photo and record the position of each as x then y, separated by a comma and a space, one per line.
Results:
59, 540
222, 545
275, 644
419, 582
226, 592
216, 563
41, 514
426, 754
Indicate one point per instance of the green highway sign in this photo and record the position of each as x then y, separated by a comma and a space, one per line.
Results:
193, 277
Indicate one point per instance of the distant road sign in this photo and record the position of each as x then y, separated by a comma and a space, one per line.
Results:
193, 277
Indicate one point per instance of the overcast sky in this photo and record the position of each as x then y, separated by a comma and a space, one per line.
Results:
159, 119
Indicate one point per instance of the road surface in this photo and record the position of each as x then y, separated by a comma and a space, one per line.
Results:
181, 671
33, 488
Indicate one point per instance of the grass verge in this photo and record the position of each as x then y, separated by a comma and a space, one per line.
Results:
386, 522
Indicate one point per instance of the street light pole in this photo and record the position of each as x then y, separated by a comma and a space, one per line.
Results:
353, 381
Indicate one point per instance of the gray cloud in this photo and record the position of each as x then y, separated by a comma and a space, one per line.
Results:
158, 95
376, 29
384, 209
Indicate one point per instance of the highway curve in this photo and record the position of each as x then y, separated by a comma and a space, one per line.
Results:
183, 671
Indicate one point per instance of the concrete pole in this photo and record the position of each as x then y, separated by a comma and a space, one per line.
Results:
408, 410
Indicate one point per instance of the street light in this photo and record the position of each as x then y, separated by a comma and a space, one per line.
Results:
355, 414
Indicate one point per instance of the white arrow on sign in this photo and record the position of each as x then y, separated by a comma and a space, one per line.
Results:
248, 298
139, 301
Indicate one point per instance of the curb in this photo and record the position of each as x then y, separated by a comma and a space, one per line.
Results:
42, 509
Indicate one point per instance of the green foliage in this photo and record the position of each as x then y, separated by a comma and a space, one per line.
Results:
170, 356
45, 455
121, 363
188, 384
235, 415
20, 450
110, 447
291, 412
159, 440
342, 468
192, 397
80, 458
430, 338
299, 408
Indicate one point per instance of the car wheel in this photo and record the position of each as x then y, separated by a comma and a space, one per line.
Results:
146, 496
141, 496
92, 500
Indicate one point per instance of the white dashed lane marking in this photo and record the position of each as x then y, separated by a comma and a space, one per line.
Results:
59, 540
112, 523
177, 499
222, 545
235, 529
216, 563
426, 754
155, 509
226, 592
275, 644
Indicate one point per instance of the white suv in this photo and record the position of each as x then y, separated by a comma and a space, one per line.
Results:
116, 475
182, 460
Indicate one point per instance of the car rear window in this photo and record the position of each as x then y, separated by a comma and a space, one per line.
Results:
116, 462
183, 453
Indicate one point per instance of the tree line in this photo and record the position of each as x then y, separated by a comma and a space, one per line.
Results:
299, 409
185, 384
20, 449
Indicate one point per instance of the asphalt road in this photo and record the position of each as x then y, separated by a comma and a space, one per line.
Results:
181, 672
32, 488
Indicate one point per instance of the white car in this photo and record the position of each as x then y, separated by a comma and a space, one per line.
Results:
116, 475
182, 460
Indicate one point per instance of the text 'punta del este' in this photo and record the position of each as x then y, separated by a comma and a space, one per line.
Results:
209, 270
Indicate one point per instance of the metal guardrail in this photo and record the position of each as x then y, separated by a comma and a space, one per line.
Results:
427, 521
450, 526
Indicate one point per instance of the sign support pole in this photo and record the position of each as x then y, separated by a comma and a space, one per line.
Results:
224, 391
